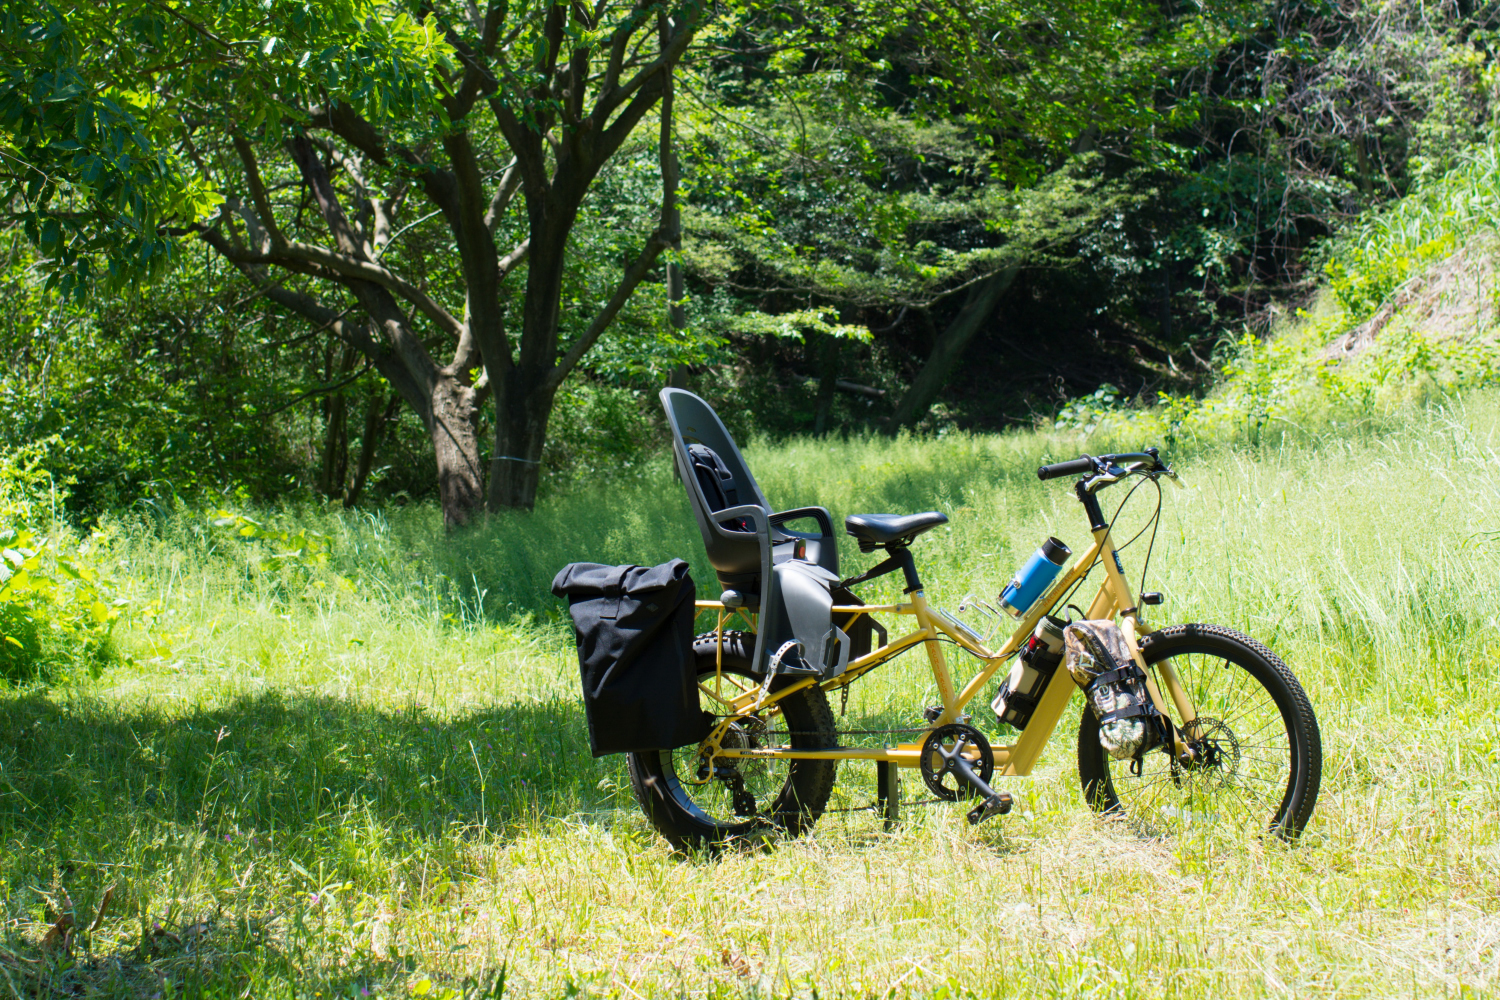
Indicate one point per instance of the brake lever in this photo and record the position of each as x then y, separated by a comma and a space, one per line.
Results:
1106, 476
1172, 476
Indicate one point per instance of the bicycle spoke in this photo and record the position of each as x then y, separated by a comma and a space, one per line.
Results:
1242, 784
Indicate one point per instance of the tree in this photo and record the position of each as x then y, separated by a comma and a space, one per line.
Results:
369, 156
915, 157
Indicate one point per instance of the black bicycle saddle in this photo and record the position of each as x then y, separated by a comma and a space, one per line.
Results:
884, 529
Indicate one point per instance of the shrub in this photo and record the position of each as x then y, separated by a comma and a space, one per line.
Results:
57, 602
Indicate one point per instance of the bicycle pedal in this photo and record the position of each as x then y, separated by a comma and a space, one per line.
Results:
931, 712
996, 805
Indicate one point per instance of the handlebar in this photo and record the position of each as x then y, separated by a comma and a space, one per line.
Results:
1086, 464
1077, 467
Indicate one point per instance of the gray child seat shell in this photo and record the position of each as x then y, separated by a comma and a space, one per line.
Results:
745, 540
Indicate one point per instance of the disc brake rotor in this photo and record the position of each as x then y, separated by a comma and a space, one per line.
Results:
1216, 750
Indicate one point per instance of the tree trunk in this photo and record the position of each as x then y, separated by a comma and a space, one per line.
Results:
335, 445
950, 347
376, 421
521, 411
1166, 306
337, 363
455, 442
828, 365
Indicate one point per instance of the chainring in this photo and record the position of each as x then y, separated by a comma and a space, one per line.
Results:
938, 770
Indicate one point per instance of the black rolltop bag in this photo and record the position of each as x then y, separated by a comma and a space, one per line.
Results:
634, 626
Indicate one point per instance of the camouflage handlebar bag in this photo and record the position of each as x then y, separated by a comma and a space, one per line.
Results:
1101, 664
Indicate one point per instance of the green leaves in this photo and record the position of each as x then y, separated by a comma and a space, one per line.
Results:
57, 605
797, 324
302, 552
99, 107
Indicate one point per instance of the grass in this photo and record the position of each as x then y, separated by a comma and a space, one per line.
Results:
371, 778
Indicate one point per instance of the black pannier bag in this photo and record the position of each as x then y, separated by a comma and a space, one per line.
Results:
634, 626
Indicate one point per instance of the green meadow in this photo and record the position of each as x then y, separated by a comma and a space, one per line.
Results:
368, 775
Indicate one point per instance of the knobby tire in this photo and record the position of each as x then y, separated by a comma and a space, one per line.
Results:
1268, 752
793, 794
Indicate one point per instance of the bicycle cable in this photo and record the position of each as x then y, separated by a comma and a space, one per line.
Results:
1063, 601
1151, 544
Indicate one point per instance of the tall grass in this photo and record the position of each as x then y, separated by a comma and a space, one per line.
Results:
372, 777
1369, 261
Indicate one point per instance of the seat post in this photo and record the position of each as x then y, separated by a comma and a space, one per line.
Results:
902, 555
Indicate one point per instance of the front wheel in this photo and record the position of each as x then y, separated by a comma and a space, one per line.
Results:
697, 806
1258, 756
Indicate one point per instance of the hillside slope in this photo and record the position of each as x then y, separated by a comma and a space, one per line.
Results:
1409, 309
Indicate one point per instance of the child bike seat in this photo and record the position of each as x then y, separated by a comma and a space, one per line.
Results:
890, 529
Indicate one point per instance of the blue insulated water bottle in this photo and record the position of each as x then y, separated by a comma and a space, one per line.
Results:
1035, 577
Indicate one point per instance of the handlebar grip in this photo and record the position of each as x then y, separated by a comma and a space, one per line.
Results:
1077, 467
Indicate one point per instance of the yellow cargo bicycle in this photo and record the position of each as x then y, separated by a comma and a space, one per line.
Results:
1235, 745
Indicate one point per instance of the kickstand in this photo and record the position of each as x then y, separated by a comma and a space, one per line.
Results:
888, 793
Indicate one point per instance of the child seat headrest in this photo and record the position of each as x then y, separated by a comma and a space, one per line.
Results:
717, 483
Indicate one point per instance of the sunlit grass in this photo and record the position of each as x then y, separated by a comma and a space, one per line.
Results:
376, 786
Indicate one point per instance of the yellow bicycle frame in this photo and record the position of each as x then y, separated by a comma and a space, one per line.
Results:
1113, 599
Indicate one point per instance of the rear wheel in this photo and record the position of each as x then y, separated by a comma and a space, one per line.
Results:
1258, 754
694, 806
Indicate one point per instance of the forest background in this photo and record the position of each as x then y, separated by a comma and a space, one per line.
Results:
373, 254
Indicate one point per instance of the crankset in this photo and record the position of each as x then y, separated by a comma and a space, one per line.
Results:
957, 762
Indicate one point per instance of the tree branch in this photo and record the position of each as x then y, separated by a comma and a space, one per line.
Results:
633, 276
321, 187
350, 260
258, 194
611, 97
321, 390
346, 123
510, 260
476, 252
510, 181
620, 41
525, 144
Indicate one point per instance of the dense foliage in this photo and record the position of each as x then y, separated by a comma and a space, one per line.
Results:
935, 213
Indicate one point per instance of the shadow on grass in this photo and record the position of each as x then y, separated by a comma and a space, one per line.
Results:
239, 819
286, 765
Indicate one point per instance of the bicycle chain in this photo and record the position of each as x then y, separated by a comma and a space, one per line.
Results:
841, 732
862, 732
